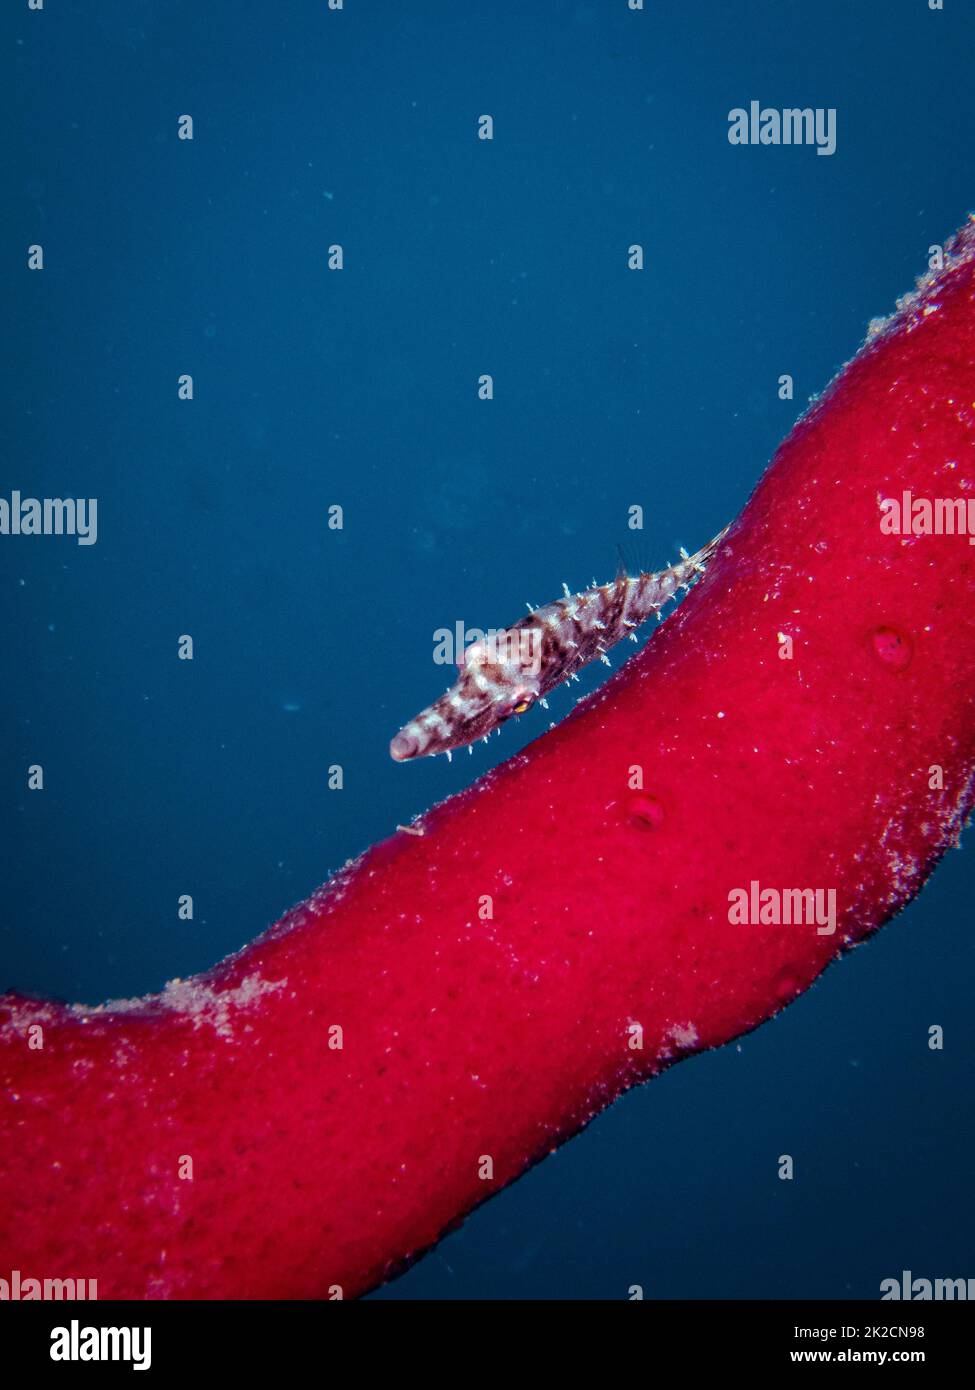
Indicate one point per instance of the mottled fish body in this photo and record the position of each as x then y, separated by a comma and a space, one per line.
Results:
507, 672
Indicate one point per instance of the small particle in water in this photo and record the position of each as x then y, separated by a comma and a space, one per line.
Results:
291, 706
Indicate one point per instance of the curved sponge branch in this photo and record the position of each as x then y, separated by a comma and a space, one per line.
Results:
311, 1113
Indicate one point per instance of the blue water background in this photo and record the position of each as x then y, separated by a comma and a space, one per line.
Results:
359, 388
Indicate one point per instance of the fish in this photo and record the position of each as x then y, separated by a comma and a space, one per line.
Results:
507, 672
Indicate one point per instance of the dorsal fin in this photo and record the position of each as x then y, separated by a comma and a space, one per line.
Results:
621, 568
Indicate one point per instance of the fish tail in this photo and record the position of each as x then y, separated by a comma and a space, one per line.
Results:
650, 592
691, 565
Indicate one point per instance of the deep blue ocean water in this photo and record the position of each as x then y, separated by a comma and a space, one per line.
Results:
358, 388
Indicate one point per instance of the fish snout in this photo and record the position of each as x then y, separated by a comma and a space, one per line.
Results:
404, 746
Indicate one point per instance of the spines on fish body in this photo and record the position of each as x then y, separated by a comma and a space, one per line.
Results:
510, 671
579, 628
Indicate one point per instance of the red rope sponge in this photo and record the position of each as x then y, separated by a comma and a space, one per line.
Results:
311, 1113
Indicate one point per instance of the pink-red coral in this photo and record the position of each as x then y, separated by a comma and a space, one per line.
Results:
456, 1003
